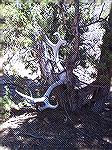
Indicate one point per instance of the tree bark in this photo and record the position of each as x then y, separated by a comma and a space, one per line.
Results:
104, 75
2, 86
71, 58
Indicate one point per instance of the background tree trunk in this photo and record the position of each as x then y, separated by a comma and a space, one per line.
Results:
104, 75
2, 86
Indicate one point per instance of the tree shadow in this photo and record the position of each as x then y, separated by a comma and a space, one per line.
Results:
52, 129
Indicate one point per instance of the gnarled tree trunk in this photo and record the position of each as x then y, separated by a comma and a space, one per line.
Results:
104, 75
71, 60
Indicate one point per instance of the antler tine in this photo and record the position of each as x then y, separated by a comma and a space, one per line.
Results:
33, 100
47, 105
36, 100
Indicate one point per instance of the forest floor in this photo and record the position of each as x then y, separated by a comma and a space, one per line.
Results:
54, 130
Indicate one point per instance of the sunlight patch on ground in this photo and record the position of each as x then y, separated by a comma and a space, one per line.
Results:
109, 140
4, 148
15, 122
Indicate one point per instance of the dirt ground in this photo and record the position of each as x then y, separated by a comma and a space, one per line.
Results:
56, 130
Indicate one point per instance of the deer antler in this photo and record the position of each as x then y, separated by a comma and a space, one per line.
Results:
62, 75
55, 47
45, 97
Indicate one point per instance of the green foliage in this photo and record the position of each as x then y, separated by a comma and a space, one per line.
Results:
23, 22
6, 102
5, 106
